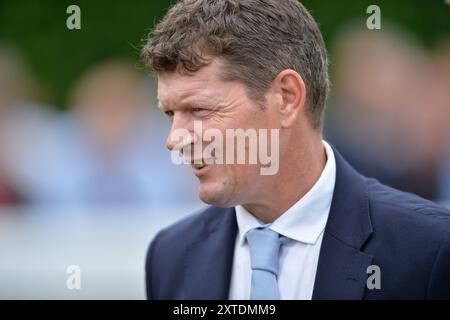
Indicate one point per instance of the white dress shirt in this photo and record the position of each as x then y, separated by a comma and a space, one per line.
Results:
304, 224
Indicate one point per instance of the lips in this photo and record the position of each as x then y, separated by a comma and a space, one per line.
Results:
200, 164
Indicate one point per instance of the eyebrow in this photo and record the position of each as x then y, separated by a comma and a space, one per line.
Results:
192, 101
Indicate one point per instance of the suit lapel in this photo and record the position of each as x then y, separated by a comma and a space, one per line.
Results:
341, 272
210, 259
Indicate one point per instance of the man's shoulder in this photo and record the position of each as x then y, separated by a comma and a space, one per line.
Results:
189, 228
410, 242
406, 213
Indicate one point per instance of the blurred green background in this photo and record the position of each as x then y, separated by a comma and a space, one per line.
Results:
58, 56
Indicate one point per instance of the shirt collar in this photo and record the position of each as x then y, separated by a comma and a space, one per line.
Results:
306, 219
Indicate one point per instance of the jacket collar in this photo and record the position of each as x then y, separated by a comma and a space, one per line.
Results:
210, 259
342, 268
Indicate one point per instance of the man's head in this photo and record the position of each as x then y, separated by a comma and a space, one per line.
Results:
240, 64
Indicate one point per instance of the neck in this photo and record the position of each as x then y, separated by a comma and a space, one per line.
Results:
300, 168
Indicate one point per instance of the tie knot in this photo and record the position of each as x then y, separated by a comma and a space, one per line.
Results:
264, 249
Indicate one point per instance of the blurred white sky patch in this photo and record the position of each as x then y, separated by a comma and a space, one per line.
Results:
109, 245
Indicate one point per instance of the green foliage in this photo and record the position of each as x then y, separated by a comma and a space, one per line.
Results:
117, 28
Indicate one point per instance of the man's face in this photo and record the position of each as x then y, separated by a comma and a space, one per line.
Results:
219, 105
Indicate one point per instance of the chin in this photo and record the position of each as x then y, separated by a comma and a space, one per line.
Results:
215, 195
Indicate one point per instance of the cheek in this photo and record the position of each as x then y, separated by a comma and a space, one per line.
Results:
224, 176
241, 174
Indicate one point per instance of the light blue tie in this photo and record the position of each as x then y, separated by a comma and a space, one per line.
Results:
264, 251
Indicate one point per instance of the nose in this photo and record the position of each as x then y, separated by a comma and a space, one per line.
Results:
181, 133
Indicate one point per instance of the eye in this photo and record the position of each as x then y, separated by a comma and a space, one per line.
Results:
199, 111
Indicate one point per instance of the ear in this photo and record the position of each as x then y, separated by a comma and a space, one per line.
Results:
291, 93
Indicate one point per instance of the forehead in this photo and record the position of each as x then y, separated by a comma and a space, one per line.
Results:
174, 87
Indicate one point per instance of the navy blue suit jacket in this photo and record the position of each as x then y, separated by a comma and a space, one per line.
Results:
369, 224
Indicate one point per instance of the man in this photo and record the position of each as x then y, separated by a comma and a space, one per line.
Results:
314, 229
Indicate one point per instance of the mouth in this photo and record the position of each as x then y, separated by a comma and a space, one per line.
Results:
200, 166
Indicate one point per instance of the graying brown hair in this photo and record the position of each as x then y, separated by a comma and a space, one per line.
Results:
257, 39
